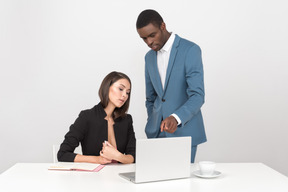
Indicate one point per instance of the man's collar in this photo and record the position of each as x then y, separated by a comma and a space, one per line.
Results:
167, 46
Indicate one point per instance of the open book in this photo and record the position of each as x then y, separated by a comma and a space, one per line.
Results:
67, 166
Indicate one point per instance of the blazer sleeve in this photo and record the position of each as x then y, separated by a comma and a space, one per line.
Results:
195, 83
75, 134
131, 142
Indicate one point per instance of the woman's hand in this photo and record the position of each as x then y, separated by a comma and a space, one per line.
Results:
110, 152
92, 159
103, 160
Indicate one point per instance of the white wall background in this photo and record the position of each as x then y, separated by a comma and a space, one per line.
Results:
54, 55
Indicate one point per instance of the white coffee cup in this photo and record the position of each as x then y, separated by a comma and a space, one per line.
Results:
207, 168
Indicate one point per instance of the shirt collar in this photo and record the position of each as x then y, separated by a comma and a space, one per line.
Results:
168, 45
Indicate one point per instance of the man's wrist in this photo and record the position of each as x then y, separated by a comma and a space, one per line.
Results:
176, 118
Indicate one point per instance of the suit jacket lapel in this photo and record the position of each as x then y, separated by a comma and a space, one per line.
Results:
156, 77
173, 54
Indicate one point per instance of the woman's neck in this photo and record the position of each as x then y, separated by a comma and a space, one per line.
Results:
109, 109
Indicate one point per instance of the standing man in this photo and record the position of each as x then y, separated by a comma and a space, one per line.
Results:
174, 82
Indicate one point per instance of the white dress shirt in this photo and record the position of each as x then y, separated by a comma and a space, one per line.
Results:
163, 56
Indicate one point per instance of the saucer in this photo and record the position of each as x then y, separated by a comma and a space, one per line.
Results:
199, 174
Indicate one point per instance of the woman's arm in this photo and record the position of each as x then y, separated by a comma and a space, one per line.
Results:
91, 159
72, 139
110, 152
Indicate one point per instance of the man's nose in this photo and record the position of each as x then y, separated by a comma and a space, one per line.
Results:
149, 41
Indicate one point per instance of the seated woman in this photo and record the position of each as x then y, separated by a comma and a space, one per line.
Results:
105, 132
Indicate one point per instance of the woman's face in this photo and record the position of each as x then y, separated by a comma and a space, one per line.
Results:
119, 92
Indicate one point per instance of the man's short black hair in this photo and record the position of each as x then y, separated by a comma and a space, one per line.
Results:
149, 16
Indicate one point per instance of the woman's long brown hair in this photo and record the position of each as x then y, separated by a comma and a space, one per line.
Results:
104, 93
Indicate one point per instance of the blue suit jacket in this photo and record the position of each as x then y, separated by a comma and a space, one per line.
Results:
183, 92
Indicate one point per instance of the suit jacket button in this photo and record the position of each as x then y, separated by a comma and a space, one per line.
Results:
163, 100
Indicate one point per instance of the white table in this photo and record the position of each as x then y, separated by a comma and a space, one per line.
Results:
235, 177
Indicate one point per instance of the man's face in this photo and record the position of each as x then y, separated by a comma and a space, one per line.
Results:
154, 36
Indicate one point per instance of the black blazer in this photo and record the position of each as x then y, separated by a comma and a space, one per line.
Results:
91, 130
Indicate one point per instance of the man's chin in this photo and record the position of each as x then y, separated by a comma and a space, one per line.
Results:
155, 49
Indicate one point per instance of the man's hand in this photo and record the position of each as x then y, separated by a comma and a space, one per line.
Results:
169, 125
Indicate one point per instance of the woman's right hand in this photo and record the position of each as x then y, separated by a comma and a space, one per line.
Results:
92, 159
103, 160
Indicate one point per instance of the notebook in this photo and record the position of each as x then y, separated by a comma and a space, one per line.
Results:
161, 159
68, 166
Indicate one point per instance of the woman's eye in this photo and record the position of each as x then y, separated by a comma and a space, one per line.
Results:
120, 89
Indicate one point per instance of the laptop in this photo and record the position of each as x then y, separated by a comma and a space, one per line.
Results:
161, 159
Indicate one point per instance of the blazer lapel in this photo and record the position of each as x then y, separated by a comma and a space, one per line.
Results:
173, 54
155, 75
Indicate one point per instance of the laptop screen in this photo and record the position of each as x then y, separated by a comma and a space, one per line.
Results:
162, 159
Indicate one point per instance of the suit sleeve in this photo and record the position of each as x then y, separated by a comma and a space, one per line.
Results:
195, 85
75, 134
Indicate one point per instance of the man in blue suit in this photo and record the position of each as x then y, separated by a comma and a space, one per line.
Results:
174, 82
